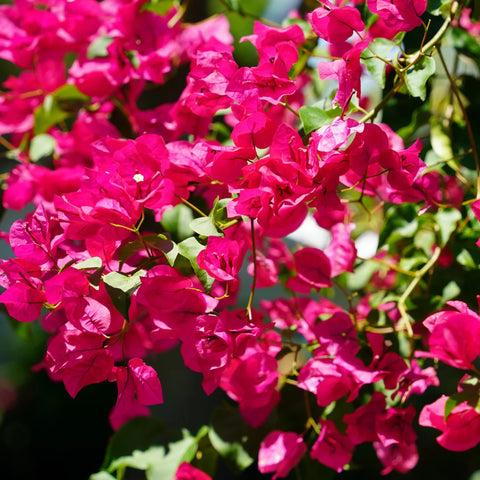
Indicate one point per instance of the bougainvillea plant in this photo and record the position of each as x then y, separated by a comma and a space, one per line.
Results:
149, 218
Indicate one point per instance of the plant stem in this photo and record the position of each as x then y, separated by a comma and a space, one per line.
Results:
405, 318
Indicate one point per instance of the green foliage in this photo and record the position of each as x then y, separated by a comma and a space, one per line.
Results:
148, 445
314, 117
57, 107
98, 48
159, 6
417, 75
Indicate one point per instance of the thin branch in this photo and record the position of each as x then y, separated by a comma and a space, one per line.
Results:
401, 303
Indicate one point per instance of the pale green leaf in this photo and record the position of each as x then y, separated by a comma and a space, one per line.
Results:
42, 145
90, 264
465, 258
98, 48
205, 226
447, 220
125, 283
102, 476
384, 49
416, 77
450, 291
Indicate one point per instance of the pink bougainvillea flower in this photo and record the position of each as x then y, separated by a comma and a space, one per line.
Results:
454, 336
347, 71
335, 24
396, 447
280, 452
399, 14
273, 42
223, 258
460, 430
361, 423
331, 447
251, 380
313, 270
341, 251
186, 472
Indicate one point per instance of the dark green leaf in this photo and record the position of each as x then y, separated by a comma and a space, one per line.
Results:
137, 434
177, 220
229, 434
465, 44
190, 248
156, 243
120, 287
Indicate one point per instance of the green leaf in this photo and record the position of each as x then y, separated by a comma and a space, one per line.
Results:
314, 117
177, 220
457, 398
233, 4
465, 44
465, 258
417, 75
439, 7
47, 115
123, 282
159, 462
137, 434
172, 254
441, 141
425, 240
219, 211
229, 435
190, 248
153, 241
383, 48
102, 476
69, 93
42, 145
58, 106
120, 287
161, 7
93, 263
205, 226
98, 48
447, 220
450, 291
